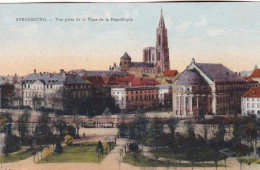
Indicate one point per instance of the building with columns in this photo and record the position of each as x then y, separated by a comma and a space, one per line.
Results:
205, 88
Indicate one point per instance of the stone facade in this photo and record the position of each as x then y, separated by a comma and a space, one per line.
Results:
133, 98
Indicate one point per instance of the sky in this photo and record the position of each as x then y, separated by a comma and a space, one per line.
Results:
212, 32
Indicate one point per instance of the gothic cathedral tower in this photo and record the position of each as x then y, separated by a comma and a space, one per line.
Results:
162, 50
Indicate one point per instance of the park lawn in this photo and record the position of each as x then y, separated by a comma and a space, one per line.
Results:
142, 161
20, 155
83, 152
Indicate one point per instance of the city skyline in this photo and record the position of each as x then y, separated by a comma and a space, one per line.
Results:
226, 33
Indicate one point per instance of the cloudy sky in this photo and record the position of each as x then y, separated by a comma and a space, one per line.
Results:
227, 33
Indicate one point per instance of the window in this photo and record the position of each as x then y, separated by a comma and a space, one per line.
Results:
247, 106
253, 105
258, 112
248, 99
258, 105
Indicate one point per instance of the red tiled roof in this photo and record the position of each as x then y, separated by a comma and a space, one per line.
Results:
95, 80
255, 74
131, 80
252, 92
170, 73
248, 79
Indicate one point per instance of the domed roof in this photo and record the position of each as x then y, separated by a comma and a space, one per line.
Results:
191, 77
125, 57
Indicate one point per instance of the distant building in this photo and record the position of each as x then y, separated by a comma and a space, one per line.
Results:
155, 59
165, 95
40, 88
250, 102
76, 87
139, 97
205, 88
247, 73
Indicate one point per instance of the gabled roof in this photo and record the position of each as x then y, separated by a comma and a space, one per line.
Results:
86, 73
191, 77
170, 73
131, 80
46, 78
255, 74
252, 92
218, 73
141, 64
75, 79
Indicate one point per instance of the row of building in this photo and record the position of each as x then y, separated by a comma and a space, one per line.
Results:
202, 88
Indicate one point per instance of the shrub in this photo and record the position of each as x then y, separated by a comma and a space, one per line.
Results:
241, 150
46, 151
68, 140
133, 147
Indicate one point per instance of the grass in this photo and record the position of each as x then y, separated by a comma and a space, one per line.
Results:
20, 155
249, 161
83, 152
137, 159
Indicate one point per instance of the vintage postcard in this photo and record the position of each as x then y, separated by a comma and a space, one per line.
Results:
109, 86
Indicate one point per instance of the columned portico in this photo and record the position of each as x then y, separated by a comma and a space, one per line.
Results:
214, 102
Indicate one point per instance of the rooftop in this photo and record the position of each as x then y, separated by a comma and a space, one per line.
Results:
255, 74
141, 64
219, 73
252, 92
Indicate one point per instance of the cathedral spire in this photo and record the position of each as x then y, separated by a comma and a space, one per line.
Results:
161, 22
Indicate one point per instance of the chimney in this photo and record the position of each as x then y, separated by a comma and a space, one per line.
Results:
34, 71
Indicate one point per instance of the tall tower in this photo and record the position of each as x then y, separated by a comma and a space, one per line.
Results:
162, 50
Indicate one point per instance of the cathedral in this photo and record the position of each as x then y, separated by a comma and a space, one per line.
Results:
155, 59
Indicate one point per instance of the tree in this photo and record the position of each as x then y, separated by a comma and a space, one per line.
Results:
237, 134
99, 149
43, 131
155, 132
140, 127
36, 100
10, 144
7, 95
55, 99
172, 124
23, 127
5, 121
220, 137
133, 147
58, 148
190, 129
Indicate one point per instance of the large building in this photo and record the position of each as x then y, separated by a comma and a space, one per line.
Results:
205, 88
250, 102
40, 88
155, 59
